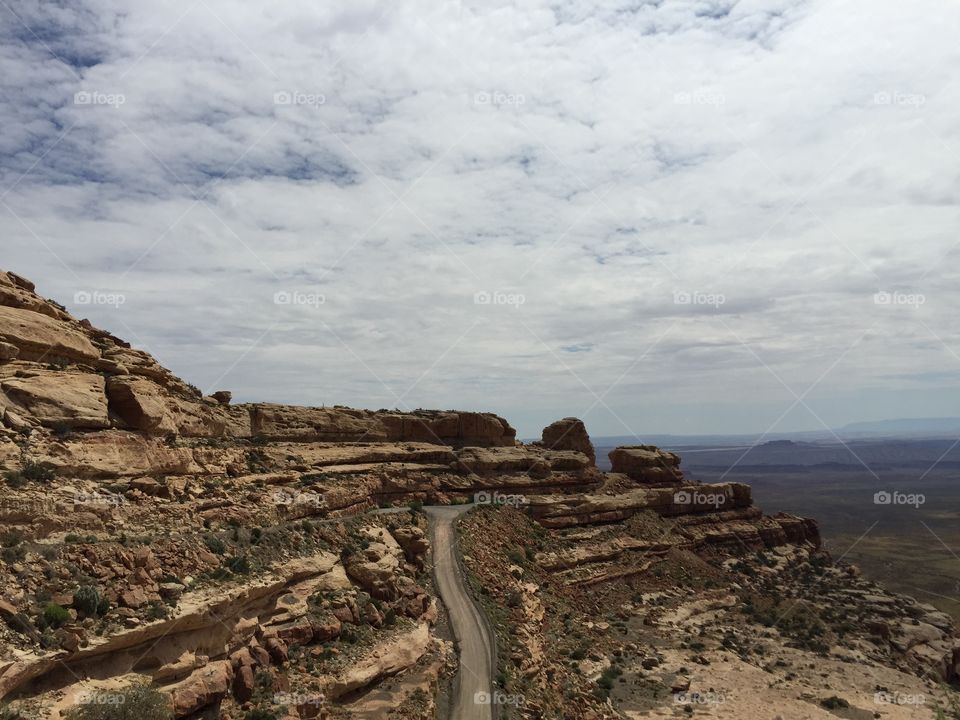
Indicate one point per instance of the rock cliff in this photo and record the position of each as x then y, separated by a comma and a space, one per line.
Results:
245, 558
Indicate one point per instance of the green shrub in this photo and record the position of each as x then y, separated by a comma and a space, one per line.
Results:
137, 702
87, 600
54, 615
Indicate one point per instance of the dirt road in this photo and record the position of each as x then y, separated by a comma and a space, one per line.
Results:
472, 689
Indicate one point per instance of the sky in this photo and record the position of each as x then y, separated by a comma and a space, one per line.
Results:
662, 217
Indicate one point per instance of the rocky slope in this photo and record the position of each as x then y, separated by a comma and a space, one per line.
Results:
267, 561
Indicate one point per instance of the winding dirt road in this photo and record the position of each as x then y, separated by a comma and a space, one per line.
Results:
474, 678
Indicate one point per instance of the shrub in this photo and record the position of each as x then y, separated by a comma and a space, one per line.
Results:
416, 505
238, 564
36, 472
834, 703
62, 431
15, 554
14, 479
20, 623
139, 702
8, 713
215, 544
87, 600
54, 615
260, 714
513, 599
157, 611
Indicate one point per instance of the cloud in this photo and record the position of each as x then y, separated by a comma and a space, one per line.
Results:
621, 167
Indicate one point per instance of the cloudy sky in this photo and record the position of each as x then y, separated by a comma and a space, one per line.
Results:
682, 216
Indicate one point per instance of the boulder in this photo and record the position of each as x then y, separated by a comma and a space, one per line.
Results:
204, 687
647, 464
243, 683
569, 434
41, 338
56, 398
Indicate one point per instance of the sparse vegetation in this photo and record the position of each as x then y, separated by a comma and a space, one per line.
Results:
87, 600
137, 702
54, 616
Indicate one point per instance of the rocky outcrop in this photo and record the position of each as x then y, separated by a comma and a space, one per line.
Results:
399, 653
55, 398
569, 434
647, 464
144, 405
41, 338
203, 688
457, 429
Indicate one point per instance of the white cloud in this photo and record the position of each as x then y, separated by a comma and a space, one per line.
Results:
792, 157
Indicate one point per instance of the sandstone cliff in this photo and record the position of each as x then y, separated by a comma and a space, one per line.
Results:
230, 555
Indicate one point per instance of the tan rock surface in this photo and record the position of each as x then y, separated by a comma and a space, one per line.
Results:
44, 339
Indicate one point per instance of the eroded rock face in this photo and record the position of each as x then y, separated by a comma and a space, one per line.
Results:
647, 464
56, 398
41, 338
569, 434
